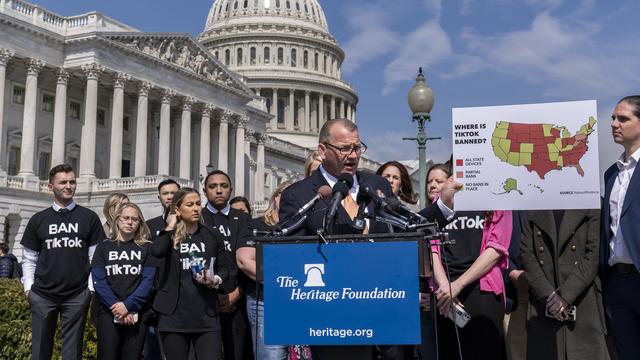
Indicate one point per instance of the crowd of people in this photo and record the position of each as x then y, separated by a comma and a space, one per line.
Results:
551, 284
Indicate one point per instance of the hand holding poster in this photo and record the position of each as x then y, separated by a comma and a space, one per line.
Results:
527, 157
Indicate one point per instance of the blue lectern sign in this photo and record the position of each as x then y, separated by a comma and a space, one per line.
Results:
341, 294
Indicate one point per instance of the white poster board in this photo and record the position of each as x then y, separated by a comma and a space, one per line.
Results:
527, 157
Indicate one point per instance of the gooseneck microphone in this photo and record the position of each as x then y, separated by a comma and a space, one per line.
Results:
324, 192
340, 190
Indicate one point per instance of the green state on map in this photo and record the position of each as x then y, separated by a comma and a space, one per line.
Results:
509, 186
541, 148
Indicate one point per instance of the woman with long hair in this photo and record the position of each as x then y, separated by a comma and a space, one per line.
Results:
193, 264
111, 203
400, 181
123, 272
246, 259
469, 275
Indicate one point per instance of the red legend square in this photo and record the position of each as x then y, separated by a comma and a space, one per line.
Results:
459, 174
459, 162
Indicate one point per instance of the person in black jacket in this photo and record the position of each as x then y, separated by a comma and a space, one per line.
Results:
232, 225
9, 266
123, 271
186, 301
166, 190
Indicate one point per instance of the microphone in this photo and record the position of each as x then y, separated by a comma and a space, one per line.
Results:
398, 207
324, 192
340, 190
362, 199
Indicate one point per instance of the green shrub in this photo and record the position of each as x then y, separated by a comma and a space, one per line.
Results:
15, 326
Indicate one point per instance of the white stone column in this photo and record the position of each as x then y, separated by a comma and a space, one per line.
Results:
290, 120
333, 107
117, 115
248, 136
164, 144
5, 55
28, 146
343, 114
320, 110
259, 191
185, 138
88, 141
239, 173
205, 138
274, 109
307, 109
59, 118
142, 120
223, 141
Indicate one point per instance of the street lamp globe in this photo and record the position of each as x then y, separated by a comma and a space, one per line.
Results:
420, 97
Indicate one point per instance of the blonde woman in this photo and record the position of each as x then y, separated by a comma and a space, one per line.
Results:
123, 272
187, 298
312, 164
111, 203
246, 259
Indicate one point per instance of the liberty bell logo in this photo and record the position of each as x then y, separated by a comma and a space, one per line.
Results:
314, 275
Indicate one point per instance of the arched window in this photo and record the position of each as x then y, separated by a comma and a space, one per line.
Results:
280, 56
252, 55
246, 4
294, 57
281, 107
288, 4
217, 55
239, 57
255, 4
227, 57
305, 59
313, 10
278, 4
267, 55
306, 8
235, 5
297, 6
325, 64
226, 8
316, 59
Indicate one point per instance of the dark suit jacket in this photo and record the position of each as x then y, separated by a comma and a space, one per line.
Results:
629, 221
169, 271
298, 194
566, 261
156, 225
239, 224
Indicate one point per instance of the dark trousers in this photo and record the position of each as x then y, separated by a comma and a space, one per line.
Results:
236, 333
118, 342
44, 318
623, 312
516, 337
205, 345
152, 349
482, 338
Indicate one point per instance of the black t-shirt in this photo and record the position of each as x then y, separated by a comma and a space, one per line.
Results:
62, 240
219, 224
191, 311
258, 224
466, 228
123, 262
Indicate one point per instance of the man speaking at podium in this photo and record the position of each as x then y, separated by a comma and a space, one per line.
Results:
340, 148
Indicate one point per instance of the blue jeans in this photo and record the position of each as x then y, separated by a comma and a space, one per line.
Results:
262, 352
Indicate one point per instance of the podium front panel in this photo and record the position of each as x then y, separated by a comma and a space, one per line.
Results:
341, 294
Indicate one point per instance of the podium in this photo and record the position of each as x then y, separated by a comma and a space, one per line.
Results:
343, 289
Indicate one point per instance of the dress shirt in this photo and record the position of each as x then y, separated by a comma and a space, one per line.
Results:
619, 251
224, 211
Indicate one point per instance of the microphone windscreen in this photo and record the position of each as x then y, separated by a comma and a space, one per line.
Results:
394, 204
324, 191
347, 178
341, 187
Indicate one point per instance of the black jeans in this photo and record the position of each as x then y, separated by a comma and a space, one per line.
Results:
118, 342
206, 345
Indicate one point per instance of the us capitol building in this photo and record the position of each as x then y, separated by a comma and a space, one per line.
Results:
128, 109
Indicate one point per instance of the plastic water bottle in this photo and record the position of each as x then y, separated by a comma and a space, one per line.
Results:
197, 267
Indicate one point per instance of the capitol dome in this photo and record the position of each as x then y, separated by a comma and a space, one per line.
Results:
284, 50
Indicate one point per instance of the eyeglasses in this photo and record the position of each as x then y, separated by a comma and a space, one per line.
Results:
125, 219
346, 151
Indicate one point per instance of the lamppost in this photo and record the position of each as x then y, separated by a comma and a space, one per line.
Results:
421, 102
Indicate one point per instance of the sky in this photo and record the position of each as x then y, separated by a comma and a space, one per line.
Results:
474, 53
